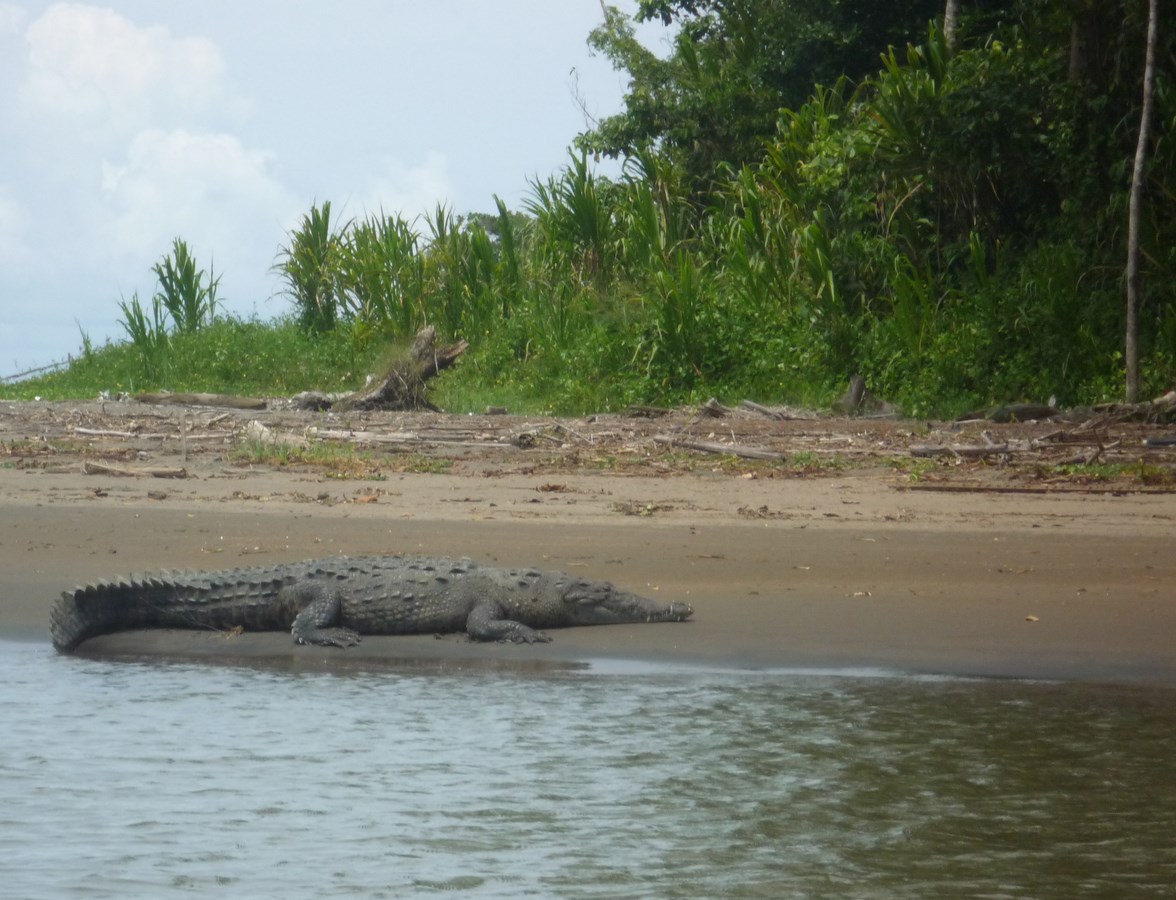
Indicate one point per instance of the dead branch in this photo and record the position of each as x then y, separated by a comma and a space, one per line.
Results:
94, 468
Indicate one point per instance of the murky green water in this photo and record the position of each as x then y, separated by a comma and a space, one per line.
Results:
156, 780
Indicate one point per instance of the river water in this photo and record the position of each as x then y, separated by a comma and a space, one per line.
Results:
130, 779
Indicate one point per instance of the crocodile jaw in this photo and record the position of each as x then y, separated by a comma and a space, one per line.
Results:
589, 603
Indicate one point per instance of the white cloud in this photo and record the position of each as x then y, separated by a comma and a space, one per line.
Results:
125, 123
209, 189
410, 190
12, 18
94, 70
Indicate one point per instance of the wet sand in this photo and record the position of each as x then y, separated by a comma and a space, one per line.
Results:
851, 570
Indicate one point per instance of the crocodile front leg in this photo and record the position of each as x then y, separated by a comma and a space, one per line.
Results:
315, 624
486, 622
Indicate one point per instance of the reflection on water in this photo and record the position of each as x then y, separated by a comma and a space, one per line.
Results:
131, 779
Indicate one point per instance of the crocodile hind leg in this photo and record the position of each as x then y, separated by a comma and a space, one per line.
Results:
486, 622
315, 624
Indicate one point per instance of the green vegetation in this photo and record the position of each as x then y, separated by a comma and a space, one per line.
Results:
808, 192
1137, 472
229, 355
343, 461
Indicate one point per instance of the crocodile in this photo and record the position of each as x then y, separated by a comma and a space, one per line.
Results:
332, 601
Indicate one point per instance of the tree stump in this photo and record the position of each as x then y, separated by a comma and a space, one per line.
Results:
404, 385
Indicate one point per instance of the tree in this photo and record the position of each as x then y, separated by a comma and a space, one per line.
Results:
735, 64
1135, 211
951, 19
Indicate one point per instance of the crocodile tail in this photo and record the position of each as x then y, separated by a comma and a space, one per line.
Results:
90, 610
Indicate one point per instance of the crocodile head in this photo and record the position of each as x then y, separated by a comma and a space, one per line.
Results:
599, 603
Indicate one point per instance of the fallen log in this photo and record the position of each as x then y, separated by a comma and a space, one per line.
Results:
767, 411
723, 449
971, 451
166, 398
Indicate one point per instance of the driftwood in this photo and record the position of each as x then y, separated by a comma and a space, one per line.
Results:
764, 410
1012, 412
102, 432
724, 449
394, 438
1162, 409
149, 435
714, 408
166, 398
647, 412
403, 387
94, 468
973, 452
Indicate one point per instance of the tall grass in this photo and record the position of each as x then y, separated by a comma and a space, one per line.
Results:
148, 335
309, 265
183, 304
381, 275
182, 289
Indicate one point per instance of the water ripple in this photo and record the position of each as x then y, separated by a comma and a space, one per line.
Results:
128, 779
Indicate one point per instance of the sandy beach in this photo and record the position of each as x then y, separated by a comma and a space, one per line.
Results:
858, 566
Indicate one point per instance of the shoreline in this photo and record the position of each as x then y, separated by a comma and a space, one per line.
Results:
1052, 603
842, 571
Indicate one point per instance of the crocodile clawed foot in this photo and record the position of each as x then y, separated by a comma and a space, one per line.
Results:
344, 637
525, 635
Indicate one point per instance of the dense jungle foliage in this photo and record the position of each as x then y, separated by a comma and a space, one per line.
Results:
811, 189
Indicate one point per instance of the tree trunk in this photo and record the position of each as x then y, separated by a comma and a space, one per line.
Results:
1078, 52
403, 386
1135, 210
951, 18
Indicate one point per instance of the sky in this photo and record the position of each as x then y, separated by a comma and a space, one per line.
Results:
126, 124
